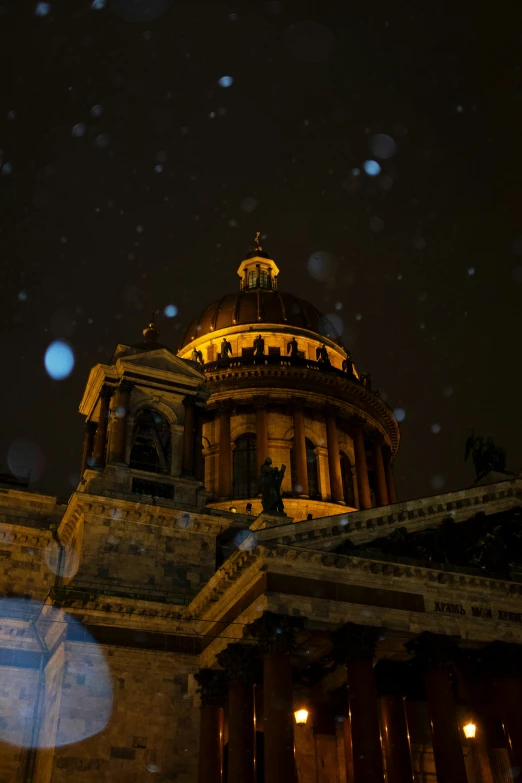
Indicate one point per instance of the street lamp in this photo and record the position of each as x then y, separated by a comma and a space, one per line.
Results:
301, 716
470, 730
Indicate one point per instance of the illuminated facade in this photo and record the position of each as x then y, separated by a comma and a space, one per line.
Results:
157, 626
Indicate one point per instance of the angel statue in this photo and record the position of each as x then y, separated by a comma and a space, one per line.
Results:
269, 485
485, 455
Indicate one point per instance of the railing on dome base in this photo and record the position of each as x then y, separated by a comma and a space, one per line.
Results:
233, 362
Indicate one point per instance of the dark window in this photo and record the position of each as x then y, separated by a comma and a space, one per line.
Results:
252, 279
245, 467
151, 444
263, 279
311, 466
348, 490
152, 488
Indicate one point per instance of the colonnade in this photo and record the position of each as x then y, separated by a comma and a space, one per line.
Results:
376, 736
382, 458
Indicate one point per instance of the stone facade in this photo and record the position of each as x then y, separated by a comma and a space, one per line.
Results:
118, 605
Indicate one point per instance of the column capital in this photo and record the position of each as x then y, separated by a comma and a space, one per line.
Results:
261, 402
433, 649
331, 410
242, 662
212, 687
297, 403
355, 423
225, 406
504, 658
126, 386
189, 401
275, 633
106, 392
353, 643
392, 677
378, 439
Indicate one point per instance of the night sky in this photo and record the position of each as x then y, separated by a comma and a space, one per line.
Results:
132, 180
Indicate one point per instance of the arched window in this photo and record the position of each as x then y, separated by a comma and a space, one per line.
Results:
263, 279
245, 467
252, 279
347, 476
151, 444
311, 469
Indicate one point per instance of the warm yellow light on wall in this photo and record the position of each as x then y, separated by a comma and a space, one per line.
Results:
470, 731
301, 716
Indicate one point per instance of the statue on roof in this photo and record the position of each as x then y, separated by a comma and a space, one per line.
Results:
293, 348
226, 348
269, 485
321, 354
485, 455
257, 241
259, 346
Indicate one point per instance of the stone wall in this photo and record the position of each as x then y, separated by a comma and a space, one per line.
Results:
18, 690
152, 733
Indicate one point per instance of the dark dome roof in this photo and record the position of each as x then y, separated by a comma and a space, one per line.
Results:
258, 306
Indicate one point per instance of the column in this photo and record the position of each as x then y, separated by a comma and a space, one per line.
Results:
242, 668
361, 468
354, 645
261, 406
225, 453
187, 468
212, 690
390, 481
100, 441
334, 458
348, 749
50, 694
301, 478
88, 444
391, 679
380, 476
119, 423
199, 459
506, 662
436, 652
276, 636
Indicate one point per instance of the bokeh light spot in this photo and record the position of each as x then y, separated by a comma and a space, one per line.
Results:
471, 271
400, 414
323, 266
42, 9
435, 428
437, 481
226, 81
78, 130
26, 460
383, 146
171, 311
59, 360
249, 204
372, 168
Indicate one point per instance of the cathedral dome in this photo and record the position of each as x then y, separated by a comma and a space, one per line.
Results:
258, 306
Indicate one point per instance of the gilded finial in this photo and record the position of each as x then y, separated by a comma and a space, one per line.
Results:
258, 241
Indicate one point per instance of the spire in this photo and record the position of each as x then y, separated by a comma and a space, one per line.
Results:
257, 241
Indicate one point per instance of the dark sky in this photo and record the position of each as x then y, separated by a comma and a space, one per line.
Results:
93, 237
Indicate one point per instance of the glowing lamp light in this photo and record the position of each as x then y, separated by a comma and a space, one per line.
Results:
470, 731
301, 716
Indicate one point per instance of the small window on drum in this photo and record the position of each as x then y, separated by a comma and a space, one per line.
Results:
252, 279
263, 279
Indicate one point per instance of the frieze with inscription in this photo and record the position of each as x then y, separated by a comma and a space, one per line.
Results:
443, 607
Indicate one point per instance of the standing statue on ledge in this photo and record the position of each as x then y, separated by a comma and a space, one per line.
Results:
259, 346
226, 348
348, 365
269, 485
486, 456
322, 355
293, 348
366, 379
197, 356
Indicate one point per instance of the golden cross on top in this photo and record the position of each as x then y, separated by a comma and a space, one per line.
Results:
257, 241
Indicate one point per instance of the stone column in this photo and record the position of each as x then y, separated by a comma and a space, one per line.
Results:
436, 652
391, 679
88, 444
380, 476
506, 660
361, 468
301, 479
187, 468
390, 481
199, 459
276, 637
212, 690
50, 694
225, 453
100, 441
348, 749
119, 423
261, 405
334, 457
242, 668
354, 645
